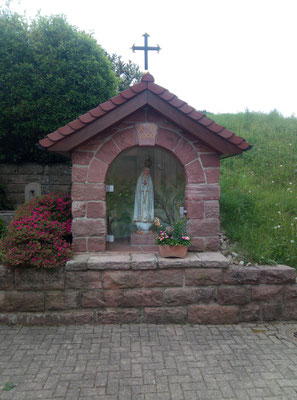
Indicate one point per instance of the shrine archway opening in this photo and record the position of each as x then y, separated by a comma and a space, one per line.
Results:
168, 180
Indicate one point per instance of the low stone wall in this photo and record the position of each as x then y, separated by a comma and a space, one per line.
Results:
133, 288
53, 178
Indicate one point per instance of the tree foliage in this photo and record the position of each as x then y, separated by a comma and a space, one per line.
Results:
127, 73
50, 72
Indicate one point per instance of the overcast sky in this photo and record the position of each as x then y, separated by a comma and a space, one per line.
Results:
217, 55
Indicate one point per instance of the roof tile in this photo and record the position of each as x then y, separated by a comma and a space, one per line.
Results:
205, 121
45, 142
86, 118
107, 106
139, 87
176, 102
244, 145
196, 115
236, 139
167, 96
76, 124
119, 99
155, 88
97, 112
65, 130
186, 109
147, 78
128, 93
226, 134
56, 136
215, 127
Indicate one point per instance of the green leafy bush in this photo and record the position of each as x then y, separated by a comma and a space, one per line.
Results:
39, 234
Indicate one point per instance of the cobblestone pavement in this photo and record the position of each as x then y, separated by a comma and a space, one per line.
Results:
149, 362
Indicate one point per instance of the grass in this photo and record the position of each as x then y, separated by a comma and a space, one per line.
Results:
259, 188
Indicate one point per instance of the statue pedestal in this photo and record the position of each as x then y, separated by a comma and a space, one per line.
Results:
148, 239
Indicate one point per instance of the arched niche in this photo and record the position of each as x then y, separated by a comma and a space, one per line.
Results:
169, 182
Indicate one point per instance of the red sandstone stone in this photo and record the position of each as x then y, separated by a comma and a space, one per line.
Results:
195, 209
79, 174
197, 244
79, 209
93, 299
203, 227
82, 157
143, 261
96, 244
272, 312
202, 148
290, 293
289, 311
194, 173
97, 171
87, 191
213, 259
203, 277
78, 263
96, 209
213, 314
167, 139
123, 279
38, 279
146, 134
210, 160
163, 278
277, 275
118, 316
114, 298
60, 300
185, 152
174, 315
108, 152
79, 245
250, 312
269, 293
202, 192
212, 243
21, 301
184, 296
110, 261
83, 280
143, 298
88, 227
241, 275
211, 209
212, 175
234, 295
6, 278
126, 139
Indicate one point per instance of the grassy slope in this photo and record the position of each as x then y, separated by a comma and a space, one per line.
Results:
259, 188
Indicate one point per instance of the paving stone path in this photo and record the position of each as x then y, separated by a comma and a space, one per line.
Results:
148, 362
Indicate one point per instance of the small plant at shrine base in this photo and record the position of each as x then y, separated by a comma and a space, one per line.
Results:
39, 235
172, 235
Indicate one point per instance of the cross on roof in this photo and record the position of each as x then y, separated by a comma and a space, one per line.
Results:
146, 48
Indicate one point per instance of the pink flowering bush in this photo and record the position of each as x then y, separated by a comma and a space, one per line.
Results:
173, 235
39, 234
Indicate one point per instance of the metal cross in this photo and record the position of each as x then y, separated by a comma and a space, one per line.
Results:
146, 48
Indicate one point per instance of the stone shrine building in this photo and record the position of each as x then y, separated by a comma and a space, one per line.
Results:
145, 125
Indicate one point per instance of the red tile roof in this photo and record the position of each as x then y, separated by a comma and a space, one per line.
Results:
146, 84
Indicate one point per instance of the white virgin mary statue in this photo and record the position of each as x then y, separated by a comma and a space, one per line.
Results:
144, 202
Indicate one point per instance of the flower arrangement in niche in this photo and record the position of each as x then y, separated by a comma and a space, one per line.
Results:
172, 235
40, 234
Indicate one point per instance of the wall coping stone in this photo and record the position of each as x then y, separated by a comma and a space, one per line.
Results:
110, 260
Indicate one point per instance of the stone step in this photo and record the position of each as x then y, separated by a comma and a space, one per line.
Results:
139, 261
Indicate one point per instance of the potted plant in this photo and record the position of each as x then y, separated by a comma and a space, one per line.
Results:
173, 241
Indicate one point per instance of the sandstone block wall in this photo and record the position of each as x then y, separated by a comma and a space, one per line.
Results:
144, 128
201, 289
53, 178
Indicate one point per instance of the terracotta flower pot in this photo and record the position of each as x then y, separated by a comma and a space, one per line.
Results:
179, 250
